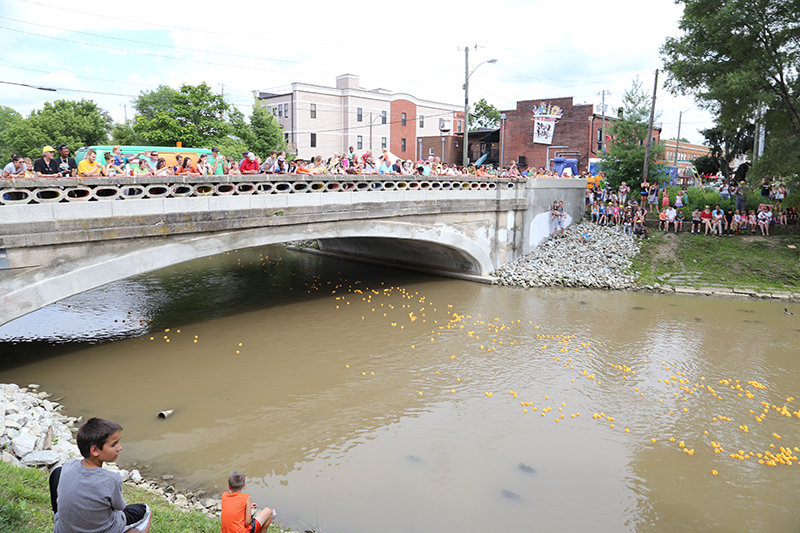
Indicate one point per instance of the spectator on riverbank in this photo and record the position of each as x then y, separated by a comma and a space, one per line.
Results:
250, 164
671, 215
696, 221
716, 220
237, 508
706, 217
764, 220
88, 497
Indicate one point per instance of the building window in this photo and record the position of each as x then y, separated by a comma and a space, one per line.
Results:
286, 110
383, 117
359, 114
313, 140
403, 120
599, 139
360, 142
383, 142
280, 111
431, 151
313, 110
421, 121
286, 137
402, 145
459, 125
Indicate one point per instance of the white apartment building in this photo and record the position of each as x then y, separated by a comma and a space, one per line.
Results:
320, 120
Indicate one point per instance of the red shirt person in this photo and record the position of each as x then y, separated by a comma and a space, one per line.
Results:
249, 165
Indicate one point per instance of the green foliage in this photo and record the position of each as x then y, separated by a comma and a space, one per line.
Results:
267, 133
706, 164
624, 157
197, 117
123, 134
739, 56
8, 117
70, 122
193, 115
483, 115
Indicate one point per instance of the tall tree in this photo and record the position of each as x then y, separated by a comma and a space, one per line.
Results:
484, 115
738, 57
70, 122
193, 116
8, 117
623, 159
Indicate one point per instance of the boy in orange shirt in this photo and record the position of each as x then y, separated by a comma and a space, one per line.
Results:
237, 509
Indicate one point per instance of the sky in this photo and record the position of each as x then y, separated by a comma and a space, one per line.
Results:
110, 52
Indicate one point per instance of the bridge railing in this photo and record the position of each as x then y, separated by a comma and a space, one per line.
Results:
44, 190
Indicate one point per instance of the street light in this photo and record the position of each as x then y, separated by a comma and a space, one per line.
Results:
467, 74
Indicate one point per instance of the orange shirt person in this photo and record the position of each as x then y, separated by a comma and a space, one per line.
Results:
237, 508
301, 167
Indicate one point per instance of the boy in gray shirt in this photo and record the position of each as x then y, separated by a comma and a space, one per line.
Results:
88, 497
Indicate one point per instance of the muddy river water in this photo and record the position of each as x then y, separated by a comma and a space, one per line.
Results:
359, 398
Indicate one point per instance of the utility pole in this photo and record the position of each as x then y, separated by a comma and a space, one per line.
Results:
646, 170
465, 148
678, 140
603, 110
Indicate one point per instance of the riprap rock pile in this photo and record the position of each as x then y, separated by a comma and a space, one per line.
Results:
565, 261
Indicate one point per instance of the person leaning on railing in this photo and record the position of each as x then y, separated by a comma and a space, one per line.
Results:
16, 168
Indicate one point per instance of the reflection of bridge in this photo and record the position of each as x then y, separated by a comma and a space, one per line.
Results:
68, 235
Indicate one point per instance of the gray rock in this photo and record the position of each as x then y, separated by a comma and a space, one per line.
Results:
42, 457
136, 477
23, 444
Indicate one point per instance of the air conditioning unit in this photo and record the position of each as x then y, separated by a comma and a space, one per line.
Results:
598, 109
445, 125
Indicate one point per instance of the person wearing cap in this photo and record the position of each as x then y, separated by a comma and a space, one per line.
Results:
250, 164
16, 168
66, 164
46, 166
89, 167
217, 162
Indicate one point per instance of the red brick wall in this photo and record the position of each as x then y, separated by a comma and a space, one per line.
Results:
408, 132
574, 129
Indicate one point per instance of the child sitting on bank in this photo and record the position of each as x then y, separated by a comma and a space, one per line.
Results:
237, 508
88, 498
662, 219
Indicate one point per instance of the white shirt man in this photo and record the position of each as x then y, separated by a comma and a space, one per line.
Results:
671, 214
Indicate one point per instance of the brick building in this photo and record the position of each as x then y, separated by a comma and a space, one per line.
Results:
577, 133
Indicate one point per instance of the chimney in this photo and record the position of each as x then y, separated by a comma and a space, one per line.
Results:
347, 81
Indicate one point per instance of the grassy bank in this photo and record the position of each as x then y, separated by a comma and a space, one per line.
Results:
743, 262
25, 506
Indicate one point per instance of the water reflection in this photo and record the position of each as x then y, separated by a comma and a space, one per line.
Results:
345, 392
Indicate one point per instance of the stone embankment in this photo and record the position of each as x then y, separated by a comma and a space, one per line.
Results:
602, 262
35, 434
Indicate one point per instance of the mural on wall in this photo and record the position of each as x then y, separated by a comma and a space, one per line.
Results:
545, 117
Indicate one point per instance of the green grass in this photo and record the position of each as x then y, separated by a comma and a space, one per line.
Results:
733, 262
25, 506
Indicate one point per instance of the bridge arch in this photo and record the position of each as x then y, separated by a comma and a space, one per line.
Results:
435, 247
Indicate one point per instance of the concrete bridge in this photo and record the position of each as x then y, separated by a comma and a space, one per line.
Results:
64, 236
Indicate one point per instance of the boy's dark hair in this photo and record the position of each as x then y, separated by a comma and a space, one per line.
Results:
95, 432
236, 481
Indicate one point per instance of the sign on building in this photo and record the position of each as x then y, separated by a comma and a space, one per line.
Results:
545, 117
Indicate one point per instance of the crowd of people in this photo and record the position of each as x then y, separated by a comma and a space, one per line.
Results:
623, 207
150, 163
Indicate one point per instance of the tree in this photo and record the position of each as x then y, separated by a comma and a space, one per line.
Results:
725, 146
267, 133
706, 164
74, 123
123, 133
193, 116
484, 115
8, 117
739, 57
623, 159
